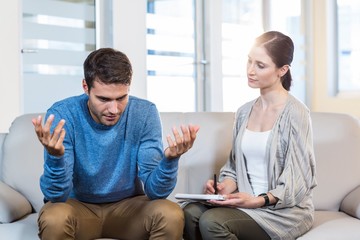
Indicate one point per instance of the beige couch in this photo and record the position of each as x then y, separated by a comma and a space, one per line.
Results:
337, 149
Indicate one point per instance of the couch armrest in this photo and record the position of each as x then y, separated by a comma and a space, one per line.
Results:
351, 203
13, 205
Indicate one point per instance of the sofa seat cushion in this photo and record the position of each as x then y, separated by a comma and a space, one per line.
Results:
331, 225
25, 228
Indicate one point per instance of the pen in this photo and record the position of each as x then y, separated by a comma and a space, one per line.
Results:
215, 184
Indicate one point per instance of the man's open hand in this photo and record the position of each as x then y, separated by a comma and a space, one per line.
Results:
52, 142
181, 144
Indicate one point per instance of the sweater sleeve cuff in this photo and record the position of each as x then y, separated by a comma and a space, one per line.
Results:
170, 165
55, 162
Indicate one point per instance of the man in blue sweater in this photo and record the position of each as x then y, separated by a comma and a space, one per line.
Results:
105, 171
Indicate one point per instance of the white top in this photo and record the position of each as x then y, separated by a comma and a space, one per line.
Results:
254, 148
291, 180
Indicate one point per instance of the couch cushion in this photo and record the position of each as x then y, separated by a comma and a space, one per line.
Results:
351, 203
23, 160
13, 205
23, 229
333, 226
337, 154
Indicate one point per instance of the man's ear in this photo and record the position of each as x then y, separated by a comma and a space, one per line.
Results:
85, 87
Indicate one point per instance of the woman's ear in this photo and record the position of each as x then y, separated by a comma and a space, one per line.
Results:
283, 70
85, 87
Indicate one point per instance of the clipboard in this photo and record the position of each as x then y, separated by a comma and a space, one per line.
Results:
199, 197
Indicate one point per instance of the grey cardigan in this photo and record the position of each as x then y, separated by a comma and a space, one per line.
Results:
291, 170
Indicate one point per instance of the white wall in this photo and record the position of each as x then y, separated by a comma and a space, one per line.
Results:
129, 36
10, 71
322, 101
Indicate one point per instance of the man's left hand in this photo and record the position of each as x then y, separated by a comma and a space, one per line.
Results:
181, 144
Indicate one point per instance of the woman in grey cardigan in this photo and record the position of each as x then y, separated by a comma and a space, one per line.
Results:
270, 174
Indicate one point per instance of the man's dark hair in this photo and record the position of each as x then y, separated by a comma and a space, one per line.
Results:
108, 66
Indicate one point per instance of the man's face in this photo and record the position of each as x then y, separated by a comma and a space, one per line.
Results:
107, 101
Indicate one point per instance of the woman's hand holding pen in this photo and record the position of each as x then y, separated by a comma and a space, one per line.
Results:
238, 199
181, 144
234, 199
225, 187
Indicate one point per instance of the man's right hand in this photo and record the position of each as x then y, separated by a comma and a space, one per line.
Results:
53, 143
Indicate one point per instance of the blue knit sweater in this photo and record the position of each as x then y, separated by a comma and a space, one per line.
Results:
108, 163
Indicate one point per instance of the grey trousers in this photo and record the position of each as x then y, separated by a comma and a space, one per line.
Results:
209, 222
134, 218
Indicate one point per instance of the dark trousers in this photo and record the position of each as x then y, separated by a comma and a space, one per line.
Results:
209, 222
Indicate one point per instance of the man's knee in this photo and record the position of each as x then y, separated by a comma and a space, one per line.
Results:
166, 215
169, 211
54, 218
166, 220
56, 213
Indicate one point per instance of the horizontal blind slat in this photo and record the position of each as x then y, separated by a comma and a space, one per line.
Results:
58, 33
59, 9
55, 57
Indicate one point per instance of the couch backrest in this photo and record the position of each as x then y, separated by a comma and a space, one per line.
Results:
23, 154
209, 152
336, 140
23, 160
336, 143
337, 153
